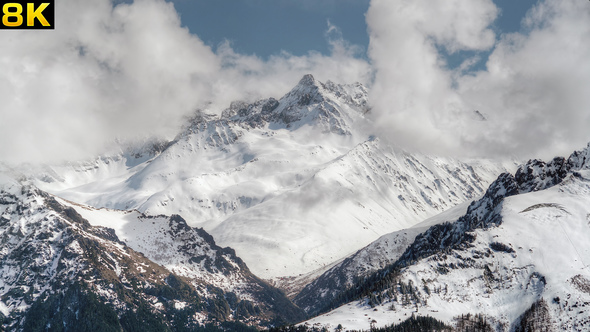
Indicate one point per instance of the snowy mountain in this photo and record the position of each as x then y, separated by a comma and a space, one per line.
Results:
61, 270
292, 185
518, 258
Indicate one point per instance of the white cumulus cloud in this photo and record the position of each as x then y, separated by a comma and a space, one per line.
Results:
533, 92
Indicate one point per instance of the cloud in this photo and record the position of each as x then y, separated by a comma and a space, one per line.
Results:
412, 95
533, 92
536, 85
126, 70
103, 72
118, 71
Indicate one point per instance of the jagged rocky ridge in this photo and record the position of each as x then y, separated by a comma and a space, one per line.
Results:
310, 101
426, 268
58, 270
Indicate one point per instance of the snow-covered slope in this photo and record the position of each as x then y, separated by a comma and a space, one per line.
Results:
122, 160
519, 256
56, 268
324, 288
291, 184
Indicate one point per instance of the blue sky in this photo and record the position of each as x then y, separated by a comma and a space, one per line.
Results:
267, 27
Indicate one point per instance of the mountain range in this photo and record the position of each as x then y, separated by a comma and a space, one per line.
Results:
298, 178
280, 210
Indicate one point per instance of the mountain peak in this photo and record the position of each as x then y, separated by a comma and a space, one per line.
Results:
307, 80
580, 159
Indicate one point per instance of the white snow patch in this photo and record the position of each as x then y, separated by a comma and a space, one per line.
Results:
4, 309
